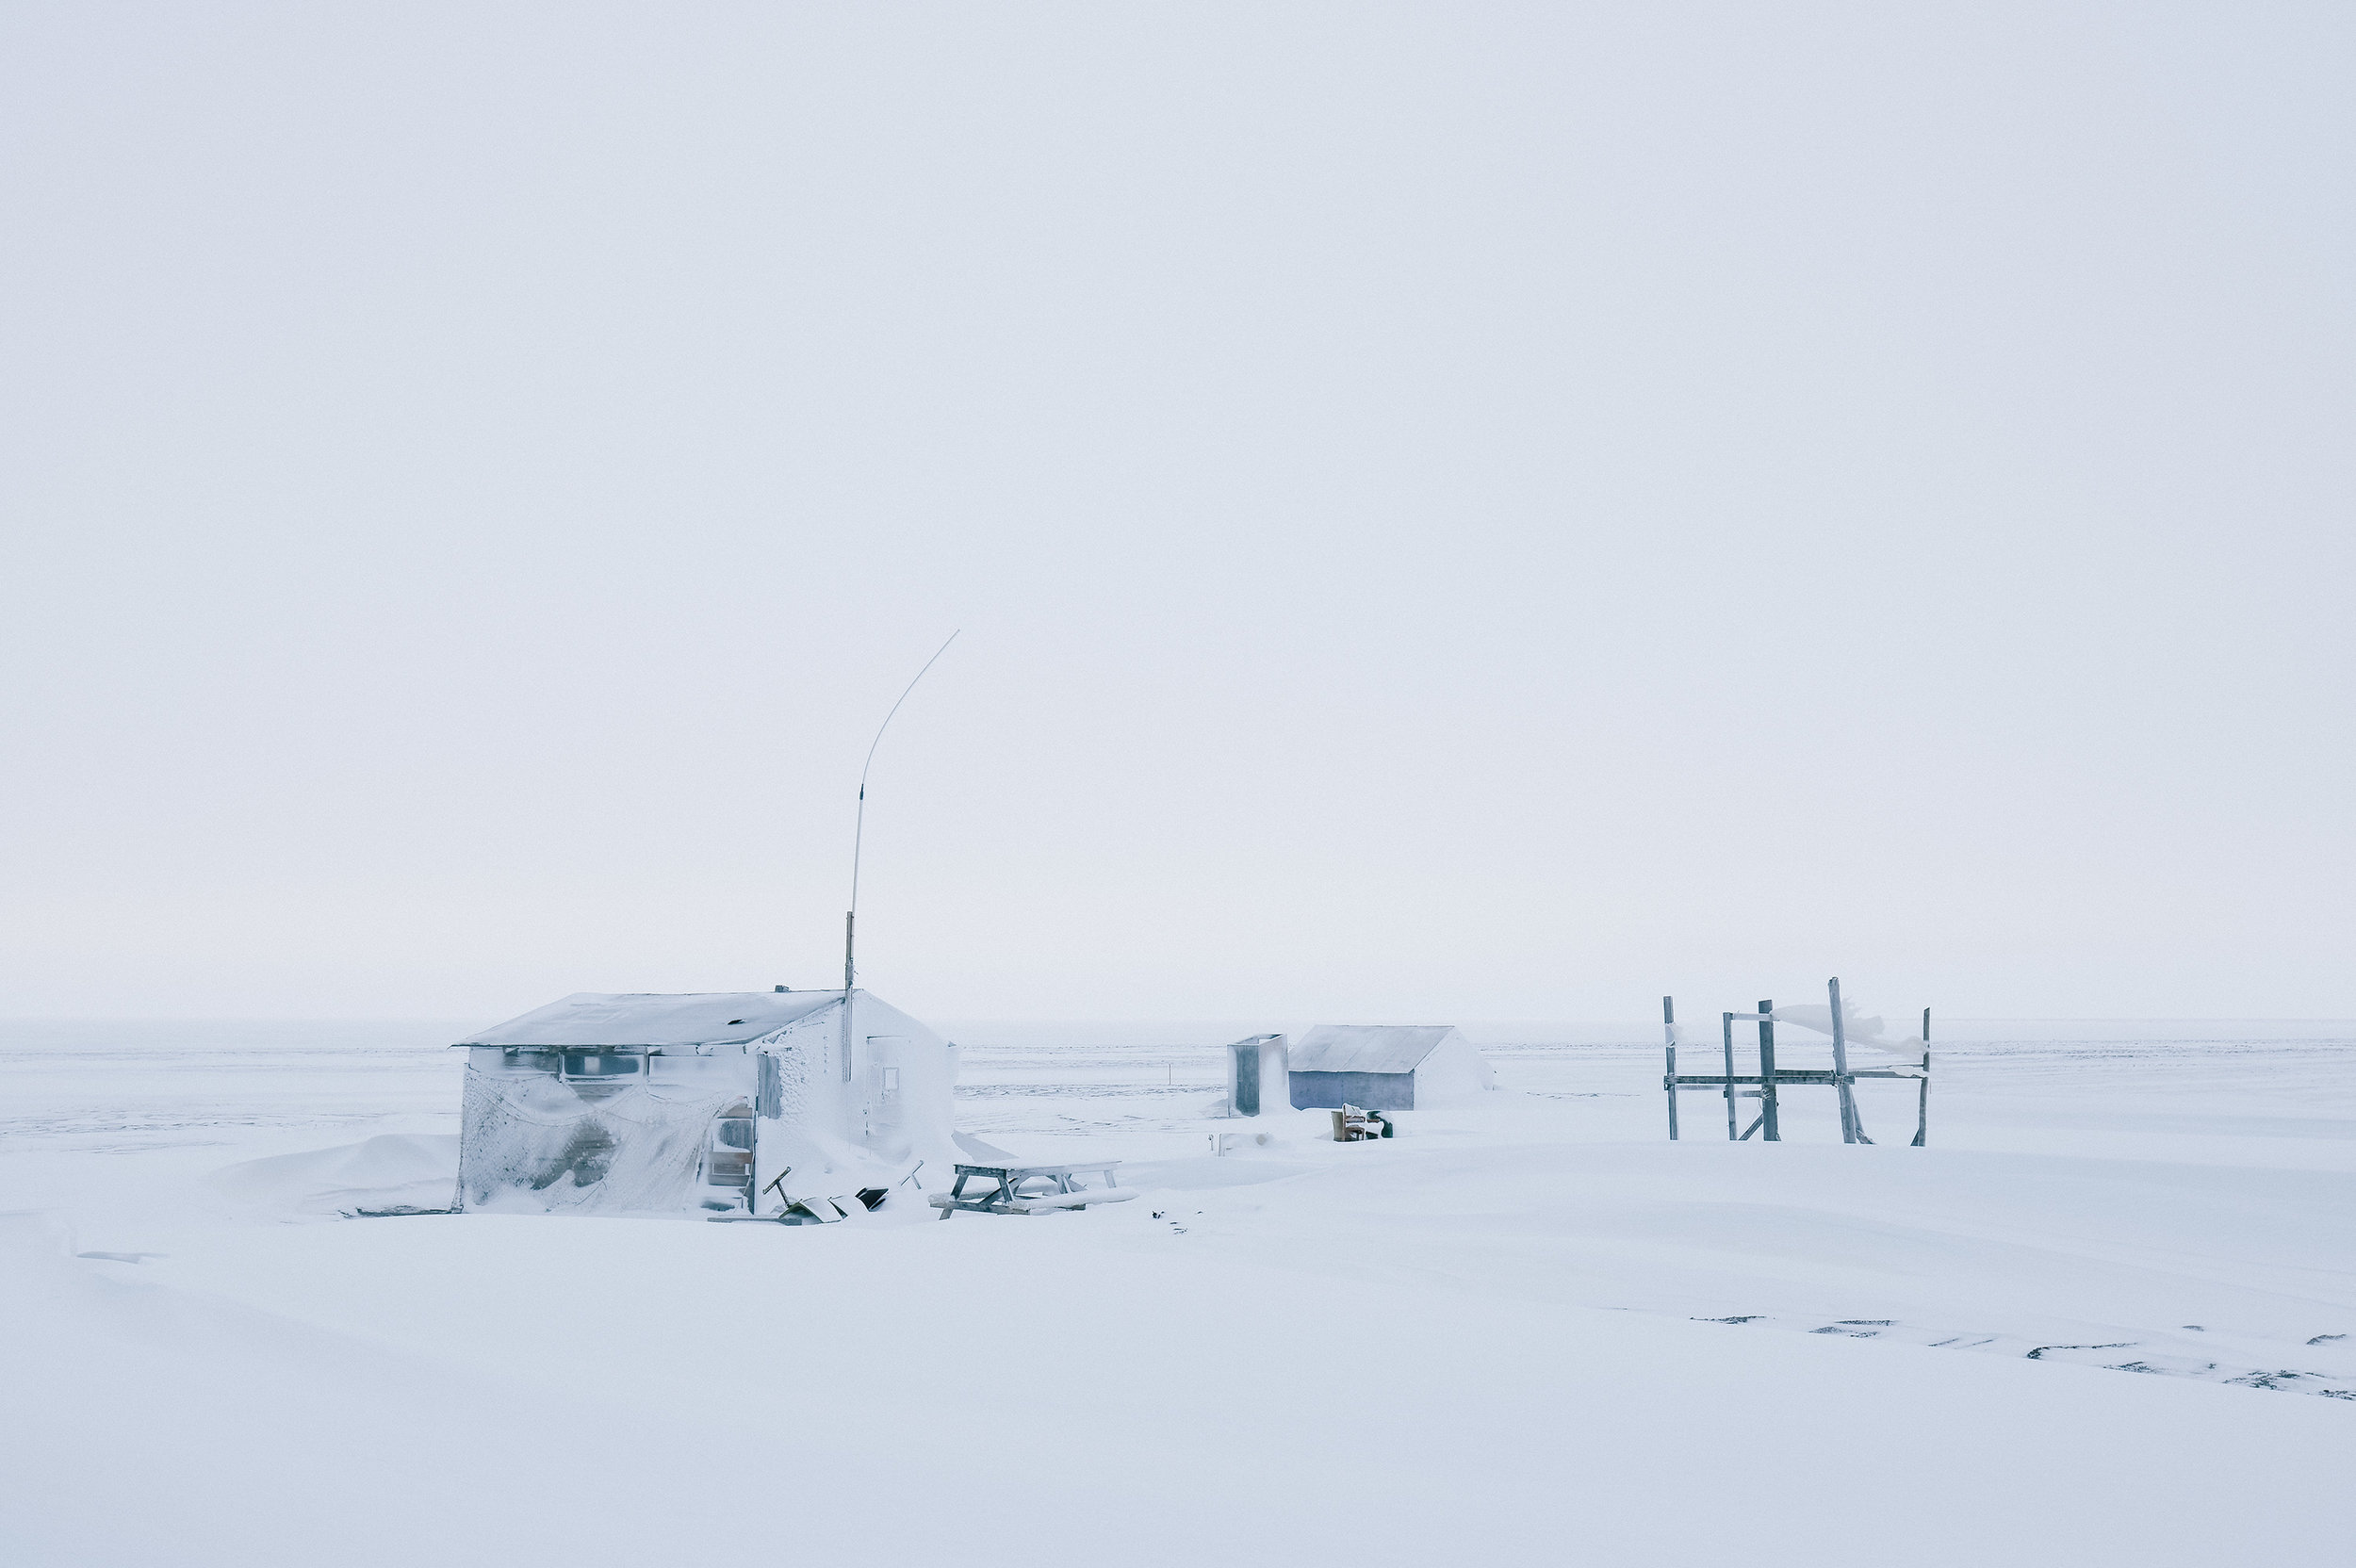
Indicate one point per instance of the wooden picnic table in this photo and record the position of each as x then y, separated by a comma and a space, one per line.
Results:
1005, 1194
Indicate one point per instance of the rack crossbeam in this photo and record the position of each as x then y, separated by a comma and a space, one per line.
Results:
1783, 1075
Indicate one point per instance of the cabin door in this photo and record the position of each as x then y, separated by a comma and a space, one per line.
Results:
880, 1104
1247, 1079
728, 1160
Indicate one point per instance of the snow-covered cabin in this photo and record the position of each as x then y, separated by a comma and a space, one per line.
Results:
634, 1103
1384, 1067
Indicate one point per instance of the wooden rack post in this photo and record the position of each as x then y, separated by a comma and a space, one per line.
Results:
1726, 1033
1769, 1129
1852, 1124
1669, 1081
1922, 1095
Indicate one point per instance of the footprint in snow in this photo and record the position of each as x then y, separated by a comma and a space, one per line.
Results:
2101, 1353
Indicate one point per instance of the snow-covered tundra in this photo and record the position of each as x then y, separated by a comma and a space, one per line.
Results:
2103, 1318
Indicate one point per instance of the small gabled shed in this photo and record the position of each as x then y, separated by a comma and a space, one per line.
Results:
1384, 1067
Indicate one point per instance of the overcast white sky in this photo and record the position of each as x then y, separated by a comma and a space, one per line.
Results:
1455, 510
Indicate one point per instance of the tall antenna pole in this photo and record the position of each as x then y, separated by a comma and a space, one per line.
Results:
859, 835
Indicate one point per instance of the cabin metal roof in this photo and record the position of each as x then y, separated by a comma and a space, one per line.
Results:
1366, 1047
654, 1021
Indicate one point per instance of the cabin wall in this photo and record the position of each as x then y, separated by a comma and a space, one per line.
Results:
1371, 1091
828, 1136
589, 1132
1456, 1070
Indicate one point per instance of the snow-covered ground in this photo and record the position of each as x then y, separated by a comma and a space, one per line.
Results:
2108, 1317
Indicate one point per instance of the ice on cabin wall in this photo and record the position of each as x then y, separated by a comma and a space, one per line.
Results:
681, 1067
897, 1106
829, 1138
532, 1142
785, 1069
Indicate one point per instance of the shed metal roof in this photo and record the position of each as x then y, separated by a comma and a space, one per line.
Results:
1366, 1047
655, 1021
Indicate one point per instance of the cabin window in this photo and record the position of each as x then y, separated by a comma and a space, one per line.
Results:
891, 1080
602, 1064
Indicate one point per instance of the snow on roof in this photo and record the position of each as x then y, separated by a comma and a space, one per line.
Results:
1366, 1047
649, 1018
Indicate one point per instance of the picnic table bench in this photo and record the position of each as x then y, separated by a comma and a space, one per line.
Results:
1005, 1194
